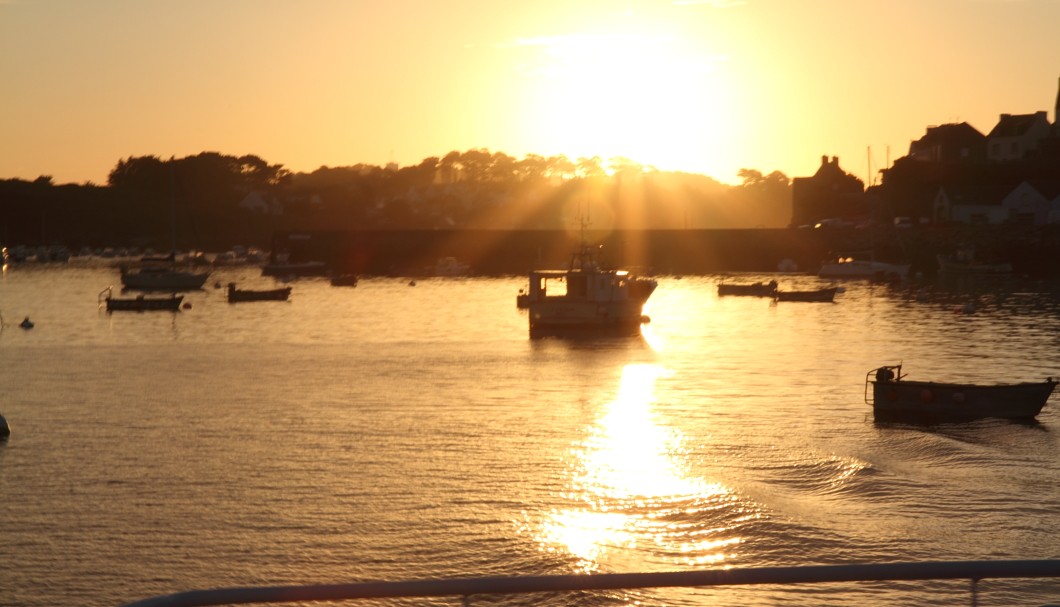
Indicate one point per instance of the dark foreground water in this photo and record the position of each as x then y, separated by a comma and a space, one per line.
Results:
391, 432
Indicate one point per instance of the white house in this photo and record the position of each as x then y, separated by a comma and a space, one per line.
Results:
1034, 202
967, 205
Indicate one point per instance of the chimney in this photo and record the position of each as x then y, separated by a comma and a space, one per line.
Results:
1056, 110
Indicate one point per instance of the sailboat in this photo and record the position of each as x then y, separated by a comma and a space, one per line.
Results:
163, 273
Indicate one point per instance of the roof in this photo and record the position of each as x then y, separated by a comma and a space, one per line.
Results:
1048, 188
1015, 125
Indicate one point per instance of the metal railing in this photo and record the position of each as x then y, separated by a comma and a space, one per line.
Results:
974, 571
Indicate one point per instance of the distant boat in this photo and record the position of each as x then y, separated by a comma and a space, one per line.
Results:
140, 303
964, 262
282, 266
817, 295
449, 266
849, 267
896, 398
344, 280
236, 295
153, 275
594, 301
759, 289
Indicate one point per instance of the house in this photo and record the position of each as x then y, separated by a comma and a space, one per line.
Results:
950, 143
1035, 202
1016, 136
831, 192
970, 204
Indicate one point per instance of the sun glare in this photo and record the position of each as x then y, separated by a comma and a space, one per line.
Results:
655, 98
629, 483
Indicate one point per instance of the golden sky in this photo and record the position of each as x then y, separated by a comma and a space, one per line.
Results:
705, 86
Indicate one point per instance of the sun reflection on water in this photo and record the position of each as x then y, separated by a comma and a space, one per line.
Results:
631, 495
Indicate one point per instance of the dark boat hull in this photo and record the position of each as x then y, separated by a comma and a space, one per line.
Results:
145, 304
242, 295
933, 401
561, 317
757, 289
820, 295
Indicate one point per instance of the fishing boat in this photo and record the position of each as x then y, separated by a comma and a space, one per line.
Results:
140, 303
236, 295
894, 397
758, 289
818, 295
586, 299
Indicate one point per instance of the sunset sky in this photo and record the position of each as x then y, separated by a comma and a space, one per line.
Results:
705, 86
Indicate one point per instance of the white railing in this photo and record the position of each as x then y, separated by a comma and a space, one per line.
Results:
973, 571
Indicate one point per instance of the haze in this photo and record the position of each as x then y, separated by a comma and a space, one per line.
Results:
700, 86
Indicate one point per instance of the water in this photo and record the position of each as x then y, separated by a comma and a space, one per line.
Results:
392, 432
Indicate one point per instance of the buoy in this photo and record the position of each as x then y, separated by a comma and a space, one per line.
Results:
186, 305
5, 430
26, 323
412, 283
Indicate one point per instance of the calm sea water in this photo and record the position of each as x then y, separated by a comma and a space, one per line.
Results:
391, 432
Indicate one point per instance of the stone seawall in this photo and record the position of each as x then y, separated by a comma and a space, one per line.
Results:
1032, 250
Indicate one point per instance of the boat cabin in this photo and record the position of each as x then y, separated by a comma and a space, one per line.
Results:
592, 286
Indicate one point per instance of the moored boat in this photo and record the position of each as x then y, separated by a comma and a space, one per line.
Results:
964, 261
758, 289
850, 267
826, 295
896, 398
344, 280
236, 295
449, 266
140, 303
594, 300
162, 274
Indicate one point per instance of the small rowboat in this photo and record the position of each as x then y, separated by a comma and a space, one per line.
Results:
896, 398
759, 289
238, 295
140, 303
820, 295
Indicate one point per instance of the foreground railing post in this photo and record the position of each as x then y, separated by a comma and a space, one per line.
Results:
975, 592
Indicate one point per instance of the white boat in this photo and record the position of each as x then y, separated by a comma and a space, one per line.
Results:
586, 299
849, 267
162, 274
450, 266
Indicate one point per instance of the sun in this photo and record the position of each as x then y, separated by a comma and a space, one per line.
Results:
652, 96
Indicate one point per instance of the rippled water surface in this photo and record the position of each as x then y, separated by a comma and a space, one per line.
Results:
390, 432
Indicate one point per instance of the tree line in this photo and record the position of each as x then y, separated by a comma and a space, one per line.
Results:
212, 201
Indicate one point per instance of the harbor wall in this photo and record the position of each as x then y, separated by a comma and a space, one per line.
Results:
1032, 250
